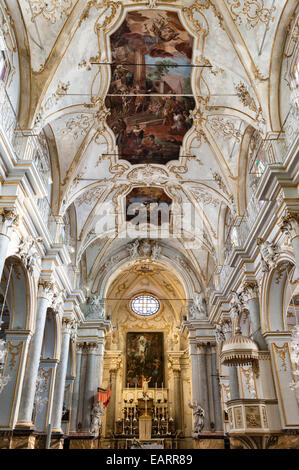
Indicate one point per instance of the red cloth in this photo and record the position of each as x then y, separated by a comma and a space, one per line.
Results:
104, 396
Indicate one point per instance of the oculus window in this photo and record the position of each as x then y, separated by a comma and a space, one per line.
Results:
145, 305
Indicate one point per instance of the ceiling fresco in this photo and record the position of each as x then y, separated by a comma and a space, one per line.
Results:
151, 54
146, 101
144, 201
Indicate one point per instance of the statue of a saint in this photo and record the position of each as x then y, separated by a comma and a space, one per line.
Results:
198, 416
95, 418
145, 382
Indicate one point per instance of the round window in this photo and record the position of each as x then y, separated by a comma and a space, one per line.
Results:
145, 305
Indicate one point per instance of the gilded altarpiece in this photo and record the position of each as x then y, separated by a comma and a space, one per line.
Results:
169, 355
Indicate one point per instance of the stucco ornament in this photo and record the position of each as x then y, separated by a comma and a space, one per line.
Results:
95, 308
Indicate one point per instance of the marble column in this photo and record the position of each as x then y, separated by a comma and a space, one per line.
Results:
194, 368
216, 392
110, 420
45, 295
178, 398
67, 326
232, 370
75, 397
250, 294
8, 219
290, 226
90, 389
203, 385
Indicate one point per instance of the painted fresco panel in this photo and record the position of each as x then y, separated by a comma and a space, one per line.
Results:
150, 112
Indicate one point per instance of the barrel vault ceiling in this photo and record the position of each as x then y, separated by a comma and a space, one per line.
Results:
66, 75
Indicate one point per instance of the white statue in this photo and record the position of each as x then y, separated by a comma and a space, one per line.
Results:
199, 417
32, 261
198, 307
156, 251
219, 334
95, 418
133, 249
145, 248
95, 307
201, 303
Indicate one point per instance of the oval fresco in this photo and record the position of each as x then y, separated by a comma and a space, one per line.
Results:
150, 96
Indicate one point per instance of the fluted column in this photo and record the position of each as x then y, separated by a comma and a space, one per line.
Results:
250, 295
216, 392
45, 295
290, 226
8, 219
203, 384
67, 326
75, 397
90, 389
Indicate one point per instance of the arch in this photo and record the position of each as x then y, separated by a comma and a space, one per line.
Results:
275, 296
275, 69
20, 294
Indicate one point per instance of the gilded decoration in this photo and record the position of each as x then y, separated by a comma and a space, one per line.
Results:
225, 128
282, 351
14, 350
78, 125
253, 418
50, 10
245, 97
90, 196
250, 12
264, 417
198, 7
61, 90
238, 417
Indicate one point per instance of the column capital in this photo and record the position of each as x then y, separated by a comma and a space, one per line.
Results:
91, 347
9, 218
269, 254
202, 347
250, 290
290, 224
79, 347
68, 325
46, 289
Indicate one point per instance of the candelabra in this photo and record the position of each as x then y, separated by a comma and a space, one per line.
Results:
162, 423
128, 425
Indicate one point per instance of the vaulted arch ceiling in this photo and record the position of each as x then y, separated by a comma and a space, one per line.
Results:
234, 83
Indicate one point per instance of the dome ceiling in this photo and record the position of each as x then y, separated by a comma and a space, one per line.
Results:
150, 95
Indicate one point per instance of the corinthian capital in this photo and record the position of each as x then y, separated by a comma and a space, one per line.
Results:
46, 289
68, 326
290, 224
250, 290
8, 219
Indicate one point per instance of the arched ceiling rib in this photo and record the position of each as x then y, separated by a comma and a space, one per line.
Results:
232, 97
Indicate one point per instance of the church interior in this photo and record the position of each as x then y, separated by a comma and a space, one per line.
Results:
149, 224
